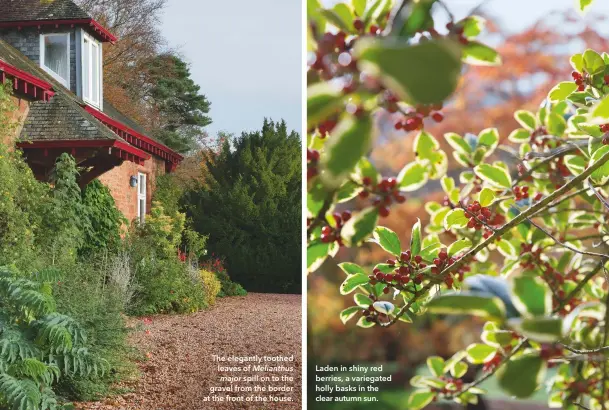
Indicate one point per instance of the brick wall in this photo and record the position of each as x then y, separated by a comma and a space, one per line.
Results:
19, 115
27, 40
125, 196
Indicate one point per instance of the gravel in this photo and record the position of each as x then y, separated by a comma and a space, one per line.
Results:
180, 369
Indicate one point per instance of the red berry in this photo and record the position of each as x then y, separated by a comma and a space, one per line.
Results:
384, 211
606, 78
346, 215
418, 259
399, 198
443, 254
364, 194
358, 24
386, 290
437, 116
366, 180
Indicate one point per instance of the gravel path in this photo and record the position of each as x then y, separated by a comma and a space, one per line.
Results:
180, 369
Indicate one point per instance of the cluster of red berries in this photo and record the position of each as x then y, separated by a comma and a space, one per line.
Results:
478, 214
326, 127
450, 382
328, 44
521, 192
529, 258
359, 25
457, 31
329, 234
580, 80
406, 269
493, 362
550, 351
312, 161
370, 314
583, 386
522, 170
566, 306
400, 278
605, 129
414, 119
387, 192
562, 168
442, 262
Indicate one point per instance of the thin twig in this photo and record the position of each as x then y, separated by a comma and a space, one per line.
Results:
586, 351
451, 16
523, 341
528, 213
564, 245
598, 194
525, 215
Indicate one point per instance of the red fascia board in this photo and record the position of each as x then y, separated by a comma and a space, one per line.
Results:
173, 156
99, 30
22, 75
47, 89
86, 144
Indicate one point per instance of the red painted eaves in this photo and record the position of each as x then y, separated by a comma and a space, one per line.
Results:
135, 138
118, 148
100, 32
39, 89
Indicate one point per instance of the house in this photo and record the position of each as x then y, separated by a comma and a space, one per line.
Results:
51, 51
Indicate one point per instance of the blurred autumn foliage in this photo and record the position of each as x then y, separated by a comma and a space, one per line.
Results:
144, 79
533, 61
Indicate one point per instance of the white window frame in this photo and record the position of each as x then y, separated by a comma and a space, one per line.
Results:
141, 195
92, 43
65, 82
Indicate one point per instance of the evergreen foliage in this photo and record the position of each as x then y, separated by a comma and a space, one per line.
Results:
175, 97
249, 204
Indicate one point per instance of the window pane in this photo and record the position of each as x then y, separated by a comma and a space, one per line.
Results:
142, 210
86, 77
95, 73
142, 184
56, 56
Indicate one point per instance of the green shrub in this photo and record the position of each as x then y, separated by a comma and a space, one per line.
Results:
163, 283
83, 292
212, 286
229, 288
105, 220
22, 200
165, 286
39, 345
250, 206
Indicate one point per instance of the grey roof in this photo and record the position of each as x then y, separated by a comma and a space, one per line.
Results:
63, 117
35, 10
113, 112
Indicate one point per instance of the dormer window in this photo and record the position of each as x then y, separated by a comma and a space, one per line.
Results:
55, 56
91, 70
